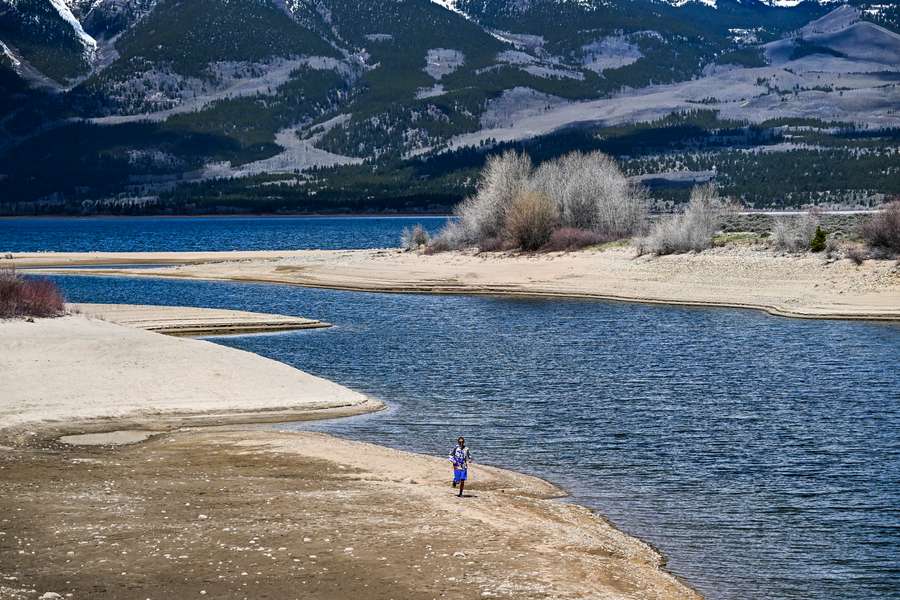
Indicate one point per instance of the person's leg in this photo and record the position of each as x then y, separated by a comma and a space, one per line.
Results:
462, 486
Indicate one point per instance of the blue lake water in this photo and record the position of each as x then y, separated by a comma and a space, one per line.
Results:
147, 234
760, 454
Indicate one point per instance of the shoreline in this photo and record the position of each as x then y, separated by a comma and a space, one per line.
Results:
571, 552
363, 215
796, 286
194, 322
570, 549
80, 371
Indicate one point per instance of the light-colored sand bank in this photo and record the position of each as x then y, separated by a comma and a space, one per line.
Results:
190, 321
266, 514
807, 286
63, 259
250, 512
75, 369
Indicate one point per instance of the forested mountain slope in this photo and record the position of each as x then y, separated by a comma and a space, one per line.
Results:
148, 105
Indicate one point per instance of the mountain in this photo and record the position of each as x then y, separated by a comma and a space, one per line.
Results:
152, 105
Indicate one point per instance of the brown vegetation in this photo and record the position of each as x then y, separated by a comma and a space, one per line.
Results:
882, 231
20, 297
530, 220
571, 238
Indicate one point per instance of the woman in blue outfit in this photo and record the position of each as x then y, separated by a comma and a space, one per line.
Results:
460, 458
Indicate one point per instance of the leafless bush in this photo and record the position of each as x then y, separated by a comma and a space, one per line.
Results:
530, 220
415, 238
585, 191
483, 216
693, 230
832, 246
570, 238
794, 234
882, 231
592, 193
21, 297
451, 237
857, 254
495, 244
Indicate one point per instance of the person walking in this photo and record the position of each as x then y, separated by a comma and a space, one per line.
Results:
460, 457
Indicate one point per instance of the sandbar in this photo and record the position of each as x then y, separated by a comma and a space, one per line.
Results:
802, 286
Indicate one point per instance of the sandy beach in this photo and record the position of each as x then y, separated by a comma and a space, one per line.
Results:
804, 286
76, 369
236, 511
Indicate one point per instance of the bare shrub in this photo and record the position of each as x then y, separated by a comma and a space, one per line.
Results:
415, 238
503, 179
530, 220
570, 238
586, 191
592, 193
857, 254
451, 237
832, 246
495, 244
882, 231
21, 297
691, 231
795, 234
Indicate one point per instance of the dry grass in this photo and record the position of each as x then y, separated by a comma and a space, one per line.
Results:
20, 297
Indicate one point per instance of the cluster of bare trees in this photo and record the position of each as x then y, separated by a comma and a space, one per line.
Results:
518, 206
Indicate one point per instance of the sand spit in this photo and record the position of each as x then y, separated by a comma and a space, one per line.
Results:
190, 321
265, 514
71, 370
805, 286
236, 512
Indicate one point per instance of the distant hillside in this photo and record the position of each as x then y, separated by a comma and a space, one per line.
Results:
216, 105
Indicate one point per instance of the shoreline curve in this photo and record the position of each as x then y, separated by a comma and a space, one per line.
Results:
784, 286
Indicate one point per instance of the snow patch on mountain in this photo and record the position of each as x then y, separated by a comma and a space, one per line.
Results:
16, 63
443, 61
610, 52
450, 5
775, 3
517, 105
710, 3
163, 93
89, 43
430, 92
299, 154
